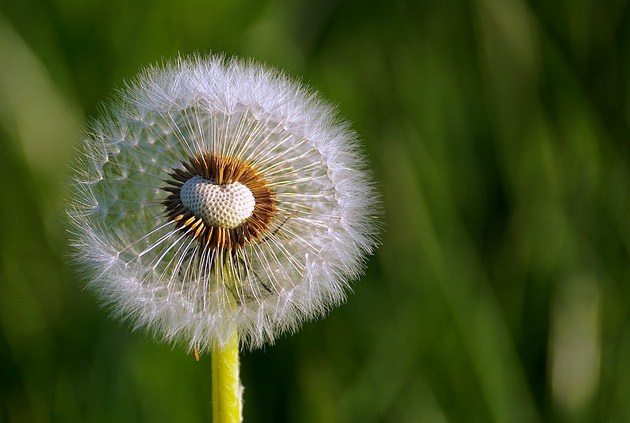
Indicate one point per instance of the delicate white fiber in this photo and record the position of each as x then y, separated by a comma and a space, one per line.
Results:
163, 278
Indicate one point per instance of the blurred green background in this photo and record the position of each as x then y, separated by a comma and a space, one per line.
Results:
499, 133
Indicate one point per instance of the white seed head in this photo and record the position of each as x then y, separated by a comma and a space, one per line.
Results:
219, 195
226, 206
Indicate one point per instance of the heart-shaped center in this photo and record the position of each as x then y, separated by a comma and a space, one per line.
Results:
225, 206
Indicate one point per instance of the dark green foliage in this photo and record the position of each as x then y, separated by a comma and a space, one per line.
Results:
498, 131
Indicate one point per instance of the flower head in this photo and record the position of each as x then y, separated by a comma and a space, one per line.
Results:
219, 195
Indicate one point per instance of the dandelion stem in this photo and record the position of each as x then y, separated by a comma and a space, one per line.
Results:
226, 386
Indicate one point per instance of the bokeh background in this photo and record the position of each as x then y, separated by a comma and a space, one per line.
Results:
499, 133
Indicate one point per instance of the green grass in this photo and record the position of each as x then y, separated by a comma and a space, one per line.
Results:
499, 133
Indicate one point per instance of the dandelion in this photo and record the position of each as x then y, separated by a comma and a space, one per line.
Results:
219, 202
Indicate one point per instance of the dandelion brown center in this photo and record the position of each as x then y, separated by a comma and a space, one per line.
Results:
222, 202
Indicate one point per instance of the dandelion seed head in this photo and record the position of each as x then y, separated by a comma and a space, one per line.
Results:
219, 195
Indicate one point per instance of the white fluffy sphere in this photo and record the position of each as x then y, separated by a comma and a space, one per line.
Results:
219, 195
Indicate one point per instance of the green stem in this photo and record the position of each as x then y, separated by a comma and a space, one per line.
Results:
226, 386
